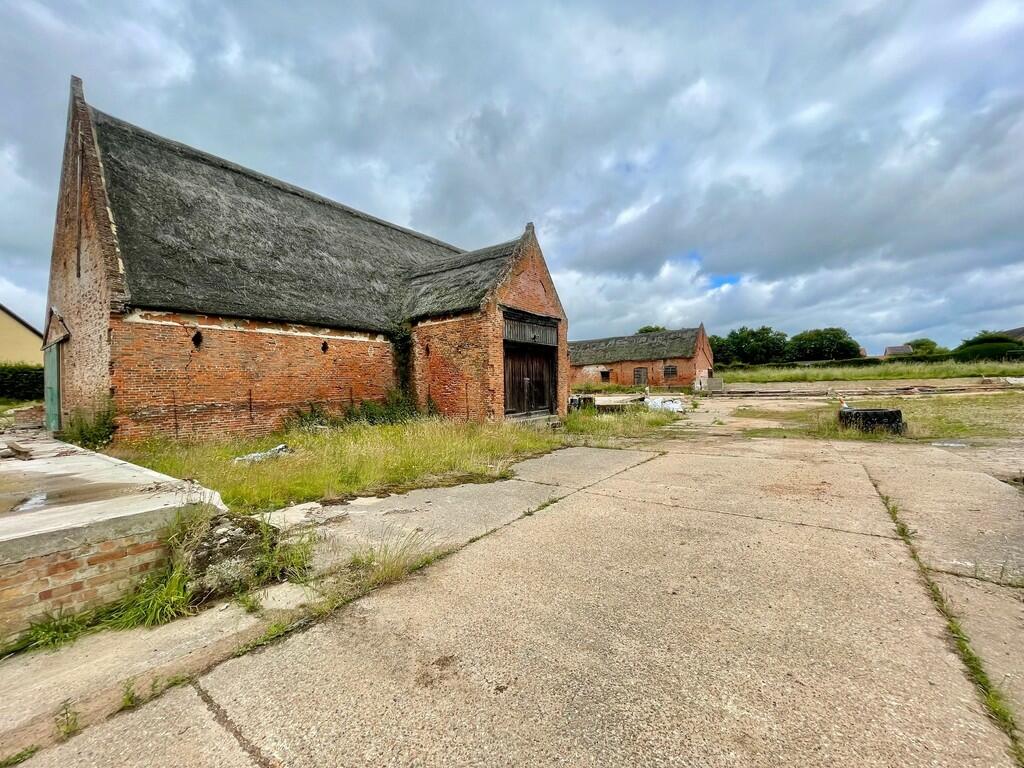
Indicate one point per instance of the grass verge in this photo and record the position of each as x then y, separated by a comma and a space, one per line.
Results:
934, 417
995, 703
635, 421
950, 369
354, 459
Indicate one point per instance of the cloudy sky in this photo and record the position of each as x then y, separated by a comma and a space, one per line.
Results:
796, 164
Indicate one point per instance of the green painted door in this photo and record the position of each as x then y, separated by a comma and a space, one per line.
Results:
51, 386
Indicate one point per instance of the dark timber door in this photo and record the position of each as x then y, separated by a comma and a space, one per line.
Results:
640, 377
529, 379
531, 347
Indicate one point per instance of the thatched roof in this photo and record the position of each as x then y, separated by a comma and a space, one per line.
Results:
200, 234
1014, 333
898, 349
641, 346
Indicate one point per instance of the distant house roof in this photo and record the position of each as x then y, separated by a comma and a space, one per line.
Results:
640, 346
899, 349
1015, 333
25, 323
200, 234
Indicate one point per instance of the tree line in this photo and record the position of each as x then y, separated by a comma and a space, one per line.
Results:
757, 346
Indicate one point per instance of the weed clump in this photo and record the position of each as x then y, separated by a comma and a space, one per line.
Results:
92, 428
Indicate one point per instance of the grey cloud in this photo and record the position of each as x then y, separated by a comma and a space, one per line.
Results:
857, 163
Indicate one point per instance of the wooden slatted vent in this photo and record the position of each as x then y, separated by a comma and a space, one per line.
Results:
531, 330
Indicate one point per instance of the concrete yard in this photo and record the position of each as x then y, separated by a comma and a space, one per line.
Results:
711, 601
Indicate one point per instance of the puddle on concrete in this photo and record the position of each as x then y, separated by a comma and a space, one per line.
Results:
27, 492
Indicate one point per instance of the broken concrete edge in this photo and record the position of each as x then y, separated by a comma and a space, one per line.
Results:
272, 627
32, 545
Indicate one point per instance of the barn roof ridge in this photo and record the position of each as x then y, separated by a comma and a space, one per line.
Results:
680, 342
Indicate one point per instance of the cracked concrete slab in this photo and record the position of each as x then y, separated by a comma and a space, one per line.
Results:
993, 618
579, 467
965, 522
614, 632
175, 731
444, 517
833, 495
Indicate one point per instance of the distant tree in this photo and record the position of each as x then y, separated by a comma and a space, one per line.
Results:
721, 349
651, 329
822, 344
755, 346
988, 337
926, 346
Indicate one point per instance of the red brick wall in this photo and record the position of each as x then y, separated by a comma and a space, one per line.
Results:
83, 289
458, 363
72, 580
452, 361
622, 373
244, 378
687, 369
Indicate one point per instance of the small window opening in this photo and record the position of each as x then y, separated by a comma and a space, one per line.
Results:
197, 339
324, 347
606, 375
426, 350
670, 372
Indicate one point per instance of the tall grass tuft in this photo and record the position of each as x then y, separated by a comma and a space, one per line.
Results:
90, 428
160, 598
636, 421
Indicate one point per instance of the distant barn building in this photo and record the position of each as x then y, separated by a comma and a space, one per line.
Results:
201, 298
660, 359
898, 350
20, 342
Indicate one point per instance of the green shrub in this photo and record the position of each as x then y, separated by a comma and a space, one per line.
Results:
996, 350
987, 337
93, 429
21, 381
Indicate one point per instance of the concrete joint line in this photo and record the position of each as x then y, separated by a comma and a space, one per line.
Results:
998, 709
972, 577
222, 719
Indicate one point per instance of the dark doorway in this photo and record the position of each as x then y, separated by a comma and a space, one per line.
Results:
529, 378
640, 377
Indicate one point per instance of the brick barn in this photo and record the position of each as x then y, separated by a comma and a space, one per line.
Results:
200, 298
661, 359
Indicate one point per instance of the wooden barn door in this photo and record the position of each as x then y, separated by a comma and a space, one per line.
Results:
531, 372
529, 379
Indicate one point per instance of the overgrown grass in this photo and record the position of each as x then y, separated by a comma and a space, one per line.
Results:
356, 459
93, 428
992, 697
950, 369
935, 417
635, 421
590, 388
167, 594
160, 598
393, 557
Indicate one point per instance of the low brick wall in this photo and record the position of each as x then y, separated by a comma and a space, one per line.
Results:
73, 580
